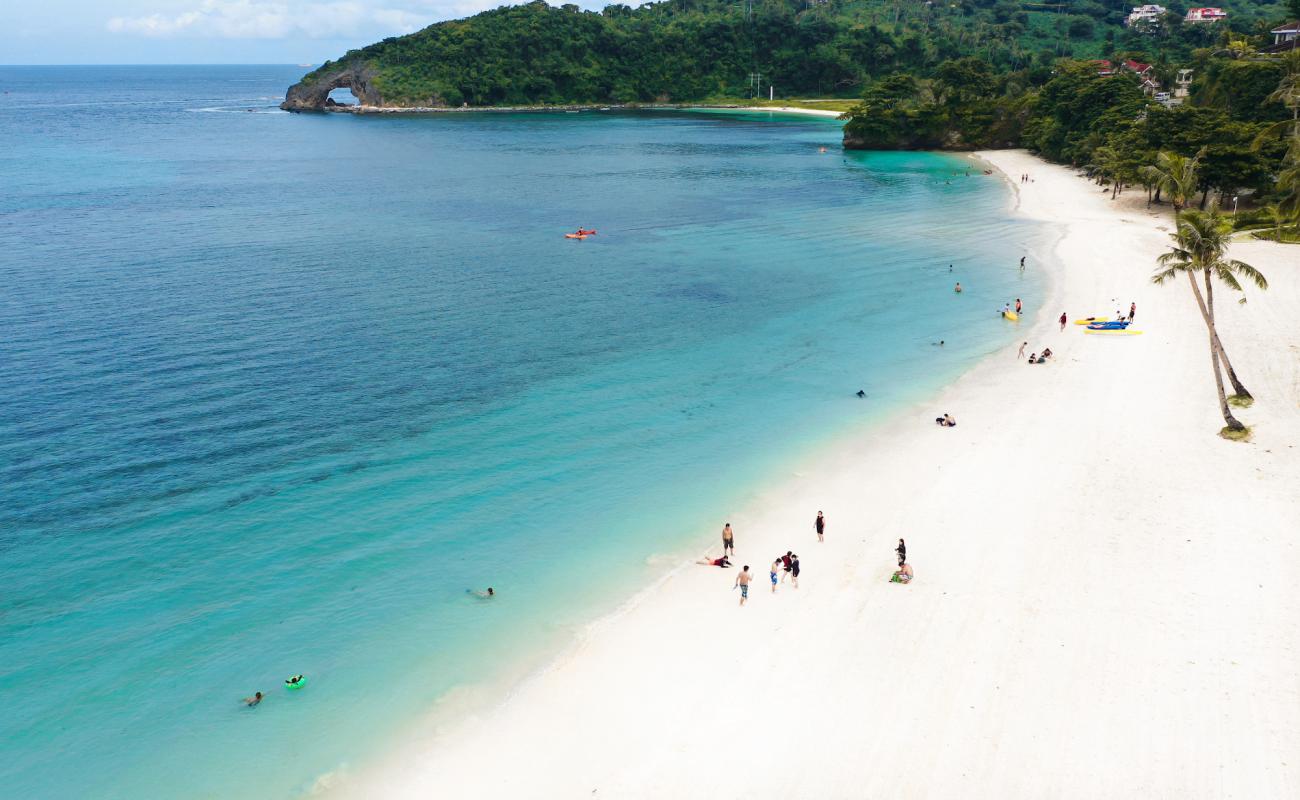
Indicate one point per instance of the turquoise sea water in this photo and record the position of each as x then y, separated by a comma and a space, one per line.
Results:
276, 389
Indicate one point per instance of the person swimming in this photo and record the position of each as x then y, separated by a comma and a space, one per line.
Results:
490, 593
861, 393
252, 701
294, 681
958, 288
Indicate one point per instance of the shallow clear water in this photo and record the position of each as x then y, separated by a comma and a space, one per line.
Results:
276, 389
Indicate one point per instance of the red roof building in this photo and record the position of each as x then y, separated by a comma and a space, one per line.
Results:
1205, 14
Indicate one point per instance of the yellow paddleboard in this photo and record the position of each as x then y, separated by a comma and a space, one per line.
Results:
1114, 333
1011, 315
1091, 320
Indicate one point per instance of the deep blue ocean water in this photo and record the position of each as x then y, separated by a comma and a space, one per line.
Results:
276, 389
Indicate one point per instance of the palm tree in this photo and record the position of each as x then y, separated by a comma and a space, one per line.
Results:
1199, 246
1175, 176
1281, 216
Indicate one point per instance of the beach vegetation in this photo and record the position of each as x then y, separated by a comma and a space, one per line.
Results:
1235, 434
1199, 251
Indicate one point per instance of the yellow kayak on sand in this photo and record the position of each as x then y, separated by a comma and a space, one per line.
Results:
1114, 332
1011, 315
1091, 320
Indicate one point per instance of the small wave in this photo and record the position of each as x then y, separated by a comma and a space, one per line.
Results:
236, 110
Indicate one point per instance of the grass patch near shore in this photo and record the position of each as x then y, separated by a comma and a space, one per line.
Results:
1235, 436
1241, 401
821, 105
839, 104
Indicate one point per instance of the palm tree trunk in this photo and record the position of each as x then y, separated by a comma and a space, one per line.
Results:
1237, 387
1231, 421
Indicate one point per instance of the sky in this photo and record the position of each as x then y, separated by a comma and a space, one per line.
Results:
212, 31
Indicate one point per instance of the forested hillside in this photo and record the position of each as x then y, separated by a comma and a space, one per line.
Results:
691, 50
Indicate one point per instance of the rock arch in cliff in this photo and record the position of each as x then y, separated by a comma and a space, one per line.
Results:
313, 93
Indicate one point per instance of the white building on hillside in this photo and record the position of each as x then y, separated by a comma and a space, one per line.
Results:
1145, 15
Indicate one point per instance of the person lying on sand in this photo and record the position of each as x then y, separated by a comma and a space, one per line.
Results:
945, 421
903, 574
1047, 352
723, 562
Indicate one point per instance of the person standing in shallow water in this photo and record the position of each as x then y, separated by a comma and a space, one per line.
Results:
728, 540
819, 525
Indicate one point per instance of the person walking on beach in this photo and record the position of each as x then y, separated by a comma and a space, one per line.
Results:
785, 564
902, 552
794, 571
819, 525
742, 580
1063, 320
776, 567
728, 540
1132, 311
1021, 352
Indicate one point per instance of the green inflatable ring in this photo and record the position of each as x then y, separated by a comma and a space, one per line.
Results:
298, 685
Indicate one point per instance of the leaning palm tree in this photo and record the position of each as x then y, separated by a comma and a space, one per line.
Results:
1178, 177
1199, 247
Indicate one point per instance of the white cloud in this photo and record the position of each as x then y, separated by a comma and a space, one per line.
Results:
257, 19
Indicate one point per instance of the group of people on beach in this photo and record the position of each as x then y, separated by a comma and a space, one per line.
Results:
787, 566
1034, 358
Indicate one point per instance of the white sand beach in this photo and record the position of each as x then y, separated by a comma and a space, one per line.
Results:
1107, 594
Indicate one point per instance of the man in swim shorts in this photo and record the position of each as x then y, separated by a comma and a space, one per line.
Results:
742, 580
728, 540
794, 570
776, 566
